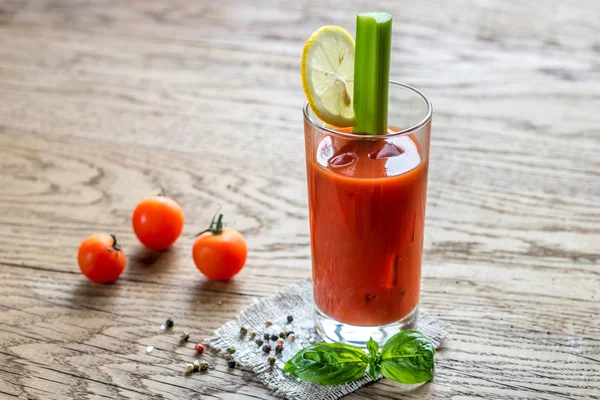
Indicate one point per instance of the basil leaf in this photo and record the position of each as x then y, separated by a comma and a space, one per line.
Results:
373, 347
407, 357
328, 363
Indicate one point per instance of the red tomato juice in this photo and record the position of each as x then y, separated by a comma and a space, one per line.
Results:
367, 214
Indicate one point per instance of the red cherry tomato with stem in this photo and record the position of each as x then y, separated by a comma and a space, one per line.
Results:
157, 222
219, 252
100, 258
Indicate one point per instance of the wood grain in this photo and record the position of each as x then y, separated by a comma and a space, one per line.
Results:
102, 103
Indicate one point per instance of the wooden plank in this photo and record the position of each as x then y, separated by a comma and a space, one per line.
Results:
101, 103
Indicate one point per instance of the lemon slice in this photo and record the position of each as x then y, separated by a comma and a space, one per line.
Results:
327, 75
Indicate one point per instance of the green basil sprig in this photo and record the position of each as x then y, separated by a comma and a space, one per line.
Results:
406, 357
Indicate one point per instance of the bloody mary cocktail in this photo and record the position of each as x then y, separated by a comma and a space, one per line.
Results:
367, 155
367, 211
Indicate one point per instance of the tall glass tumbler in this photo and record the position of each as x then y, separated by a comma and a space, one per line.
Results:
367, 198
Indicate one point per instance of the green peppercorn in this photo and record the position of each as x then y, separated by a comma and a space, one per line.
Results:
267, 348
271, 361
203, 366
231, 350
243, 331
185, 336
259, 342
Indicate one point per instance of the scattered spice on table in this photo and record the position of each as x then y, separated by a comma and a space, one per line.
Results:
169, 323
266, 348
189, 367
243, 331
274, 337
279, 349
291, 337
252, 334
231, 350
259, 342
268, 322
290, 318
149, 349
271, 361
185, 336
231, 363
280, 342
199, 347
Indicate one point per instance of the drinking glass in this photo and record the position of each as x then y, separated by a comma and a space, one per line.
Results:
367, 198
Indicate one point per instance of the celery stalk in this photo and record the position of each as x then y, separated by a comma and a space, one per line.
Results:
372, 72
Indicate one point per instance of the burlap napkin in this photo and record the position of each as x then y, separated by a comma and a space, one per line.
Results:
296, 300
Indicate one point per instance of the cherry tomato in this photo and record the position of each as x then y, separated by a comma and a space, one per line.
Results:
219, 253
100, 258
157, 222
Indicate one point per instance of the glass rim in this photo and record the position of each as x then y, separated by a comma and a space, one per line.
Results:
413, 128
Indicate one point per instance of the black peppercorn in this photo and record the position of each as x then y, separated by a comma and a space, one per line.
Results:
259, 342
169, 323
266, 336
282, 335
274, 337
231, 363
278, 349
290, 333
290, 318
267, 348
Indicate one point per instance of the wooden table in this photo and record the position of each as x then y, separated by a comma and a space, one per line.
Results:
104, 102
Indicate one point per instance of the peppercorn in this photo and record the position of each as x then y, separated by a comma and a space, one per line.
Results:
290, 333
189, 367
278, 349
185, 335
199, 348
268, 322
273, 337
196, 365
203, 366
271, 361
267, 348
266, 336
243, 331
252, 334
231, 363
259, 342
290, 318
280, 341
282, 335
169, 323
231, 350
229, 357
292, 337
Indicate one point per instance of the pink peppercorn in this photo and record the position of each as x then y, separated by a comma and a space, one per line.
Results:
199, 348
